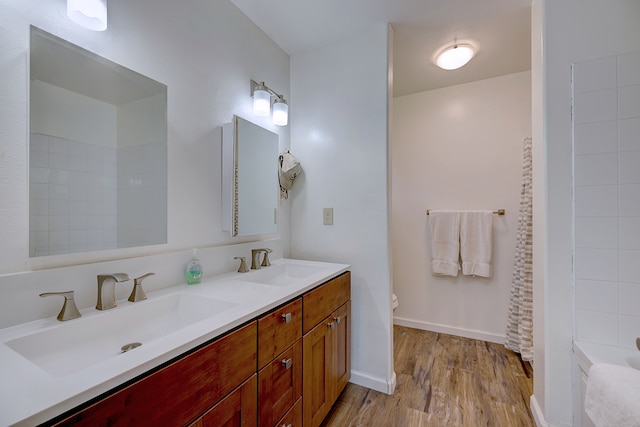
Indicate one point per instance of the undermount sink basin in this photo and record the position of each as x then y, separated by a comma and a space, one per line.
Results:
84, 342
284, 274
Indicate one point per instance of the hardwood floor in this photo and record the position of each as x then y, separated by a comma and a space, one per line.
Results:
443, 380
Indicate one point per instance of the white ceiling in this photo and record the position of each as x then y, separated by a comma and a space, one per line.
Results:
501, 29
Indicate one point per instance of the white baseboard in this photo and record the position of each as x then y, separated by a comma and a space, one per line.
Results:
451, 330
538, 416
375, 383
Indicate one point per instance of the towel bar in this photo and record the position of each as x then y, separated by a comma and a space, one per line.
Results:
496, 212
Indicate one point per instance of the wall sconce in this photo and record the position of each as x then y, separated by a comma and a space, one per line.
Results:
90, 14
455, 56
262, 94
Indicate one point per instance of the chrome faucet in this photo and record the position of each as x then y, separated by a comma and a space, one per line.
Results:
265, 259
137, 293
243, 264
106, 289
255, 258
69, 308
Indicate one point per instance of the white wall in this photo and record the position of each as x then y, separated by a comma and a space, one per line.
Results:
606, 105
572, 31
458, 147
205, 52
339, 116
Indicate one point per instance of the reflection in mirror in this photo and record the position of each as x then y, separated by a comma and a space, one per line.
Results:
250, 178
97, 153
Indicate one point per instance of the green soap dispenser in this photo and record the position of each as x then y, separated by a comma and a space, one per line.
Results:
193, 272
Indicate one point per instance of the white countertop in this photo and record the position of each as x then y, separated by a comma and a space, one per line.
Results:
29, 395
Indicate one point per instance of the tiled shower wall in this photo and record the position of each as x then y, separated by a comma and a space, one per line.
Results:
606, 133
72, 196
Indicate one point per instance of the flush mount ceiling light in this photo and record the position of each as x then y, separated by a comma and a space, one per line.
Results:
90, 14
262, 94
455, 56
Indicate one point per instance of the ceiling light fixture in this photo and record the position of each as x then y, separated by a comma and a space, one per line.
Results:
262, 94
90, 14
456, 56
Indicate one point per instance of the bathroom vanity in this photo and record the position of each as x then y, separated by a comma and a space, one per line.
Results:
242, 365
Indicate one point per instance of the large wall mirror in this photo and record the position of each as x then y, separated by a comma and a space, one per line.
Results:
97, 152
250, 178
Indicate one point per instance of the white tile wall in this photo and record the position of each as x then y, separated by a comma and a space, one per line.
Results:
606, 142
68, 207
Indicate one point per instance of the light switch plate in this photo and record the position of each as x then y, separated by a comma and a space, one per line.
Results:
327, 216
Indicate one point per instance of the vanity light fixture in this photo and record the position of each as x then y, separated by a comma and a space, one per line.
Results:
262, 94
90, 14
455, 56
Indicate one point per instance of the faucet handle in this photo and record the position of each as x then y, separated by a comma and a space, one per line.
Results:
243, 264
265, 259
69, 309
137, 293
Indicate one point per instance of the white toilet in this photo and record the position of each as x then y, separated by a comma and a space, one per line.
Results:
394, 302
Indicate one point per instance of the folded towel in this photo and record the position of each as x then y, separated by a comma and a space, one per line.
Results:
445, 242
613, 396
476, 242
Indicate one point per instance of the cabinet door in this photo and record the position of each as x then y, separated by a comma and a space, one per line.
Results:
280, 385
324, 300
238, 409
341, 349
317, 390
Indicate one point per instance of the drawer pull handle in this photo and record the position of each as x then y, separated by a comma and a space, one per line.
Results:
285, 425
286, 317
331, 325
337, 319
287, 363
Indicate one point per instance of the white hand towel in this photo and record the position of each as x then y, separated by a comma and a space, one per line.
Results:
613, 396
445, 242
476, 242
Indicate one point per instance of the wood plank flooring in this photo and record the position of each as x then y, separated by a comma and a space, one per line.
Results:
443, 380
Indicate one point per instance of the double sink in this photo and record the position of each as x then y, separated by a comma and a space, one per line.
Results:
135, 337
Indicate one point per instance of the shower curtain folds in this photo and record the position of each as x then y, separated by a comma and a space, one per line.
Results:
519, 337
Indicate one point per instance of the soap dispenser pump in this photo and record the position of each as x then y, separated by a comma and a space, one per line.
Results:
193, 272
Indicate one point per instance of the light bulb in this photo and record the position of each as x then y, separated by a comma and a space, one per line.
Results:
280, 112
261, 102
455, 56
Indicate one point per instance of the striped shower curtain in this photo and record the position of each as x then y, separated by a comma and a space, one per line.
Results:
520, 323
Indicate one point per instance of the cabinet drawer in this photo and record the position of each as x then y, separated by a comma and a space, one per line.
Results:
237, 409
181, 391
280, 385
293, 418
325, 299
278, 330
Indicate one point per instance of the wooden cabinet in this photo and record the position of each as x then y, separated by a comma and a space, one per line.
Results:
182, 391
293, 418
280, 359
326, 347
238, 409
278, 330
252, 376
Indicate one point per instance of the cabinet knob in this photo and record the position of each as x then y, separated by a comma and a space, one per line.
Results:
331, 325
287, 425
286, 317
287, 363
337, 319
